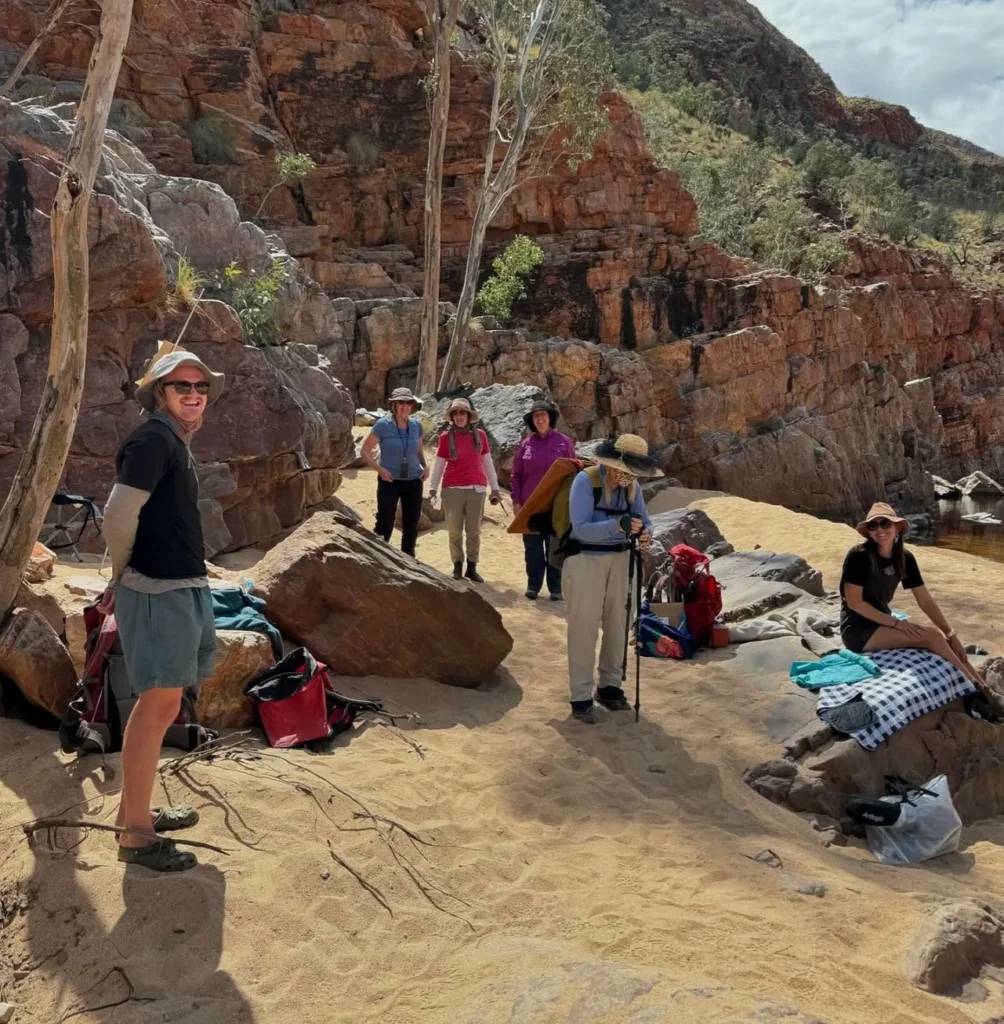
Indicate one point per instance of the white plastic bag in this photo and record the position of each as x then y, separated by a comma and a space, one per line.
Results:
928, 826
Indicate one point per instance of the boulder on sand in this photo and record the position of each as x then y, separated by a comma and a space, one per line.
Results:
365, 608
680, 526
240, 656
970, 751
954, 944
33, 658
979, 485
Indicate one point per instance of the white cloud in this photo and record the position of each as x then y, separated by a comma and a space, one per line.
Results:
944, 59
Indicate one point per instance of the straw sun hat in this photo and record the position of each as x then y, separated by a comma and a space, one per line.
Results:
880, 510
628, 453
168, 358
462, 405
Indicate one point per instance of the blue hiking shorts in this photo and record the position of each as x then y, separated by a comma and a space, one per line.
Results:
168, 640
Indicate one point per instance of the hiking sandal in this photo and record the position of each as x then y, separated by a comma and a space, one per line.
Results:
161, 855
170, 819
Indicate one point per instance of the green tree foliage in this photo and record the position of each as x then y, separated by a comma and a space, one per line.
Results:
941, 224
824, 164
290, 169
497, 295
823, 256
706, 102
253, 297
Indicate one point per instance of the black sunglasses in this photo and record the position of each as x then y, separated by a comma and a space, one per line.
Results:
184, 387
879, 524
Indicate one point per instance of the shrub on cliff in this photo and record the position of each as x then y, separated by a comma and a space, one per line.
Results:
253, 297
497, 295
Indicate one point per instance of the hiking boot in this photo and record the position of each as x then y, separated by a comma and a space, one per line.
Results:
613, 698
458, 570
472, 573
531, 594
584, 711
557, 596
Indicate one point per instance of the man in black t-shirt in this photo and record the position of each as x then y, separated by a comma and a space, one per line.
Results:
871, 575
159, 592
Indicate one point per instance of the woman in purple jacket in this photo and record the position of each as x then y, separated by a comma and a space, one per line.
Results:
534, 457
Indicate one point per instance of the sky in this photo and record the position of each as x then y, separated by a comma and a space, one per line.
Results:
944, 59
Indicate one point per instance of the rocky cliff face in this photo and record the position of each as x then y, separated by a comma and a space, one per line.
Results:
272, 445
820, 398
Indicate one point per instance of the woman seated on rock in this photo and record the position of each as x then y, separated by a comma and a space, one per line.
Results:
872, 572
464, 465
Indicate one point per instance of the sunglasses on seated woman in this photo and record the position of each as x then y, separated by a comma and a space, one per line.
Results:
184, 387
879, 524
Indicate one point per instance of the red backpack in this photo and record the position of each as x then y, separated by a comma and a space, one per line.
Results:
702, 593
297, 702
95, 720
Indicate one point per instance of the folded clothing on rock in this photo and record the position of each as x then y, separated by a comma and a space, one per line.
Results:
236, 608
912, 683
819, 632
842, 668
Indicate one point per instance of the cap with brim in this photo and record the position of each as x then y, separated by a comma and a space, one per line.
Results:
548, 407
882, 511
462, 405
168, 359
404, 395
628, 453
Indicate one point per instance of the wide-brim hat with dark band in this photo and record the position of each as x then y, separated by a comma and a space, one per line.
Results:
169, 358
549, 407
462, 405
880, 510
628, 453
404, 395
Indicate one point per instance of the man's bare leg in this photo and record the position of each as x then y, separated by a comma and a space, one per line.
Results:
153, 713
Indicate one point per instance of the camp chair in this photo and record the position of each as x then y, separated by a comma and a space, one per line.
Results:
69, 516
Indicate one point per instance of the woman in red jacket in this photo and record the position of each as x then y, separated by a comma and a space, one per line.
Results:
464, 464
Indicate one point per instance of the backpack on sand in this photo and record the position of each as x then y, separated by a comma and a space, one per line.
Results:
700, 591
298, 704
95, 720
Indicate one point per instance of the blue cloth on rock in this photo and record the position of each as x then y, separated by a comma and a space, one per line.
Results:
839, 669
236, 608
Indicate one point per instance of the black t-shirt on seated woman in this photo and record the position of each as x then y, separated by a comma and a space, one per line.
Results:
866, 568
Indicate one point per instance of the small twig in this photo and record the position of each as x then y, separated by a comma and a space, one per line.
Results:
368, 886
51, 824
205, 751
394, 825
129, 997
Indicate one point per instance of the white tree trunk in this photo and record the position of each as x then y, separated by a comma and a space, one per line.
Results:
441, 17
55, 12
42, 463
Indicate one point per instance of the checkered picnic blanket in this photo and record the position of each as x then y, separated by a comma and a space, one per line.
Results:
912, 683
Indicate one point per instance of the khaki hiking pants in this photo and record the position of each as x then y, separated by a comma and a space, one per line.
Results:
463, 508
596, 590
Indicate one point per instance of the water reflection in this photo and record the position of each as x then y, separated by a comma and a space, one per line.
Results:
964, 535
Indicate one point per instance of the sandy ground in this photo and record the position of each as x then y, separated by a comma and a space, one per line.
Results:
563, 873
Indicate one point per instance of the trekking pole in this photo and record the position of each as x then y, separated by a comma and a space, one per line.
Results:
627, 613
636, 554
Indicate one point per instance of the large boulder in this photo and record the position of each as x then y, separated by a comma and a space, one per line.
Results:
33, 658
757, 582
954, 944
979, 485
970, 751
944, 490
690, 526
365, 608
240, 656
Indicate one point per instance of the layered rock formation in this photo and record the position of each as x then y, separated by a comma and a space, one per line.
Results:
272, 445
821, 398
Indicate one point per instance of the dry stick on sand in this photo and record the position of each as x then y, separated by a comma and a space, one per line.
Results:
368, 886
227, 746
129, 997
52, 824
